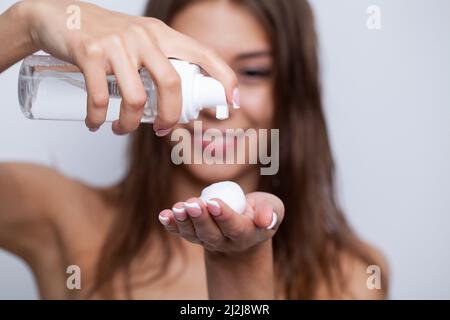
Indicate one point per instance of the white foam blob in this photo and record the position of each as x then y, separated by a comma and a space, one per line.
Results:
227, 191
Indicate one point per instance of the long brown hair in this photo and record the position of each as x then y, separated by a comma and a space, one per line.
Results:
314, 232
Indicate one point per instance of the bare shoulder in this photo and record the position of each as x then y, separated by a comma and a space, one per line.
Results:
366, 280
37, 187
361, 279
33, 205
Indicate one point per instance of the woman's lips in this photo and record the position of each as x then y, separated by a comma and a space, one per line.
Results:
225, 142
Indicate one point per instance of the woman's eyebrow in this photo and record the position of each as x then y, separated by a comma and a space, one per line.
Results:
253, 54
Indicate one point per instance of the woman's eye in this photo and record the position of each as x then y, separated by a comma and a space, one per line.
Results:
255, 73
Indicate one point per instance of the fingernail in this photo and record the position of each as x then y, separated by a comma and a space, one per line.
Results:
179, 213
162, 132
236, 99
94, 129
193, 209
164, 220
274, 221
214, 208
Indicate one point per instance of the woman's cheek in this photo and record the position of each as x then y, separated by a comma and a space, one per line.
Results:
258, 104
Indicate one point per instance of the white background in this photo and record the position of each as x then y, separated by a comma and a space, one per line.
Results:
388, 107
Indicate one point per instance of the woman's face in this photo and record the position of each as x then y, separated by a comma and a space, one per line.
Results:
238, 38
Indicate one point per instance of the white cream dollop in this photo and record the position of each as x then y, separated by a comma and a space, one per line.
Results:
227, 191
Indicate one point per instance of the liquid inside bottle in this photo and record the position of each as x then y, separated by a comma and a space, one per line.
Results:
51, 89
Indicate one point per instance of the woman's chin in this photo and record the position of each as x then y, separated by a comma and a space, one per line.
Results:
216, 172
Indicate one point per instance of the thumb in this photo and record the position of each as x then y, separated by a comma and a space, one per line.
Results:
268, 209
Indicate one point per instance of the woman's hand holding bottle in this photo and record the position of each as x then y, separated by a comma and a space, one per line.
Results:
109, 42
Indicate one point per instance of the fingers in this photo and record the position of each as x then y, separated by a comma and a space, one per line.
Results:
167, 219
92, 65
219, 70
206, 229
230, 223
184, 224
147, 44
132, 90
98, 97
185, 48
168, 84
193, 222
268, 209
219, 228
265, 216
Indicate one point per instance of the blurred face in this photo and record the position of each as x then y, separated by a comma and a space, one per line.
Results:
238, 38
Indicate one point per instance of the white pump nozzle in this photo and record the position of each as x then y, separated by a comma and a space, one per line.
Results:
209, 93
222, 112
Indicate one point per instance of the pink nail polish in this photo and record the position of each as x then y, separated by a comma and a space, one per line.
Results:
214, 208
162, 132
179, 213
164, 220
193, 209
236, 99
274, 221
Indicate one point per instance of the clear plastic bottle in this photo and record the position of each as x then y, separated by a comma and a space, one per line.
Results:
51, 89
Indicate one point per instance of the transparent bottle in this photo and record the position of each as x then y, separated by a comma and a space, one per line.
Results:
51, 89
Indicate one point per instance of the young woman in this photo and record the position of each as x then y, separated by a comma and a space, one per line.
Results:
203, 250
